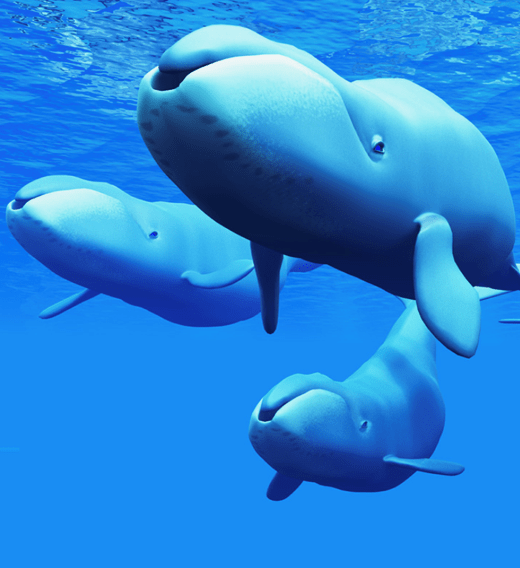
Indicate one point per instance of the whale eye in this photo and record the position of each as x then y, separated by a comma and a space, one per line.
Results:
379, 147
364, 426
153, 235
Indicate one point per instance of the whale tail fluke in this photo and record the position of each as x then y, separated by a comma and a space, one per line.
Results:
282, 487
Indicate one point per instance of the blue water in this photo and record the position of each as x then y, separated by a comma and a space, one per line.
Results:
125, 437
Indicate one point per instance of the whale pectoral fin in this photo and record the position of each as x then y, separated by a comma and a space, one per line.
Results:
447, 302
427, 465
282, 486
267, 266
68, 303
227, 276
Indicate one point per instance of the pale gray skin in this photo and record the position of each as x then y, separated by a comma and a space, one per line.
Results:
368, 433
169, 258
278, 148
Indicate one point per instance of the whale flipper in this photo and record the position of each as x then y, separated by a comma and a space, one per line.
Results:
267, 266
427, 465
68, 303
282, 486
447, 302
227, 276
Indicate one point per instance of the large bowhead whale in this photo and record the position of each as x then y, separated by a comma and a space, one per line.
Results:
169, 258
378, 178
368, 433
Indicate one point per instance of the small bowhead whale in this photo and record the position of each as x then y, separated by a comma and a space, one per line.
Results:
169, 258
378, 178
368, 433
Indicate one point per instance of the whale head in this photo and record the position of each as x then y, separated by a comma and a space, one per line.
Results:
252, 131
91, 238
308, 428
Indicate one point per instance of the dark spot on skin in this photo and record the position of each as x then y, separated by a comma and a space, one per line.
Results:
227, 144
157, 152
208, 118
221, 133
258, 171
148, 126
53, 239
183, 108
165, 163
69, 246
309, 180
46, 229
232, 156
289, 181
244, 165
274, 178
149, 140
38, 222
155, 111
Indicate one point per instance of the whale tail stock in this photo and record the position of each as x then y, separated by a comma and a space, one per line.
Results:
448, 304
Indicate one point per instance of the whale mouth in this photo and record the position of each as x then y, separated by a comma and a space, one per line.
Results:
165, 79
18, 204
168, 81
292, 388
267, 414
269, 408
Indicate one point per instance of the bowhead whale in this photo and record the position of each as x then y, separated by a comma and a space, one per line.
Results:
169, 258
368, 433
378, 178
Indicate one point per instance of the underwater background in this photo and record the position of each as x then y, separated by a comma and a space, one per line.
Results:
124, 437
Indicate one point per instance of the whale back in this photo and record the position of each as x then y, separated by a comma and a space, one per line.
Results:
397, 391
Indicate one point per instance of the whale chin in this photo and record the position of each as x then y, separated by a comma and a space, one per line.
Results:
305, 435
